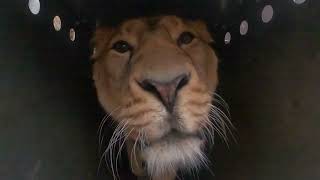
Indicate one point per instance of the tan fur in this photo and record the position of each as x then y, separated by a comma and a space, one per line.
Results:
155, 54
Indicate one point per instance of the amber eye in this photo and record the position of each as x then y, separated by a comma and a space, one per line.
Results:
185, 38
122, 46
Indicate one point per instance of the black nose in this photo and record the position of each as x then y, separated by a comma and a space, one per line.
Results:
165, 91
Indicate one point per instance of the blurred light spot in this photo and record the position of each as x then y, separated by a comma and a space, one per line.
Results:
299, 1
57, 23
34, 6
227, 38
72, 34
94, 52
244, 27
267, 14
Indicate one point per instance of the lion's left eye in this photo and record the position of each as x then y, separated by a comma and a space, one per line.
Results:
185, 38
122, 46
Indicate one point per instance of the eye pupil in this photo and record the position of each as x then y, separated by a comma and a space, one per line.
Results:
121, 46
185, 38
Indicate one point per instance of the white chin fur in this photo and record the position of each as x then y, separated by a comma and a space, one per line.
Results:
173, 153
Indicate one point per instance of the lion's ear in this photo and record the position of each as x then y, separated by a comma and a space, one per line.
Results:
202, 30
100, 40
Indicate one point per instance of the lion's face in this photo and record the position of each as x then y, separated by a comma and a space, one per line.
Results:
156, 76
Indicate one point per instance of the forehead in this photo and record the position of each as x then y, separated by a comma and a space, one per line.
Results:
151, 23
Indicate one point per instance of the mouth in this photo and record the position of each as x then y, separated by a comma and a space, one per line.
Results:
173, 133
175, 137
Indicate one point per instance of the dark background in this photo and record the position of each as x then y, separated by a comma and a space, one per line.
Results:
49, 114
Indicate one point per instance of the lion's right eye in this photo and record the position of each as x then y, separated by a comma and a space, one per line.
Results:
185, 38
121, 46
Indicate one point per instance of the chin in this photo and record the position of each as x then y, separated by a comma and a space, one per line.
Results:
175, 151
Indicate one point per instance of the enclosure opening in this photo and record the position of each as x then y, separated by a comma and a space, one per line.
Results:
57, 23
244, 26
72, 34
227, 38
267, 14
299, 1
34, 6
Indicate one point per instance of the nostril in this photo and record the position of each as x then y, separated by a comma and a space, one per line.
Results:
182, 81
156, 88
148, 86
165, 91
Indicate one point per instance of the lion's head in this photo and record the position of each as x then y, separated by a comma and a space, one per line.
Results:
156, 77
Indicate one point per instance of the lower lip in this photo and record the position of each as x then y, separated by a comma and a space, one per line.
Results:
177, 136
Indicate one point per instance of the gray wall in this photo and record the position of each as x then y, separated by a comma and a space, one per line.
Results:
273, 87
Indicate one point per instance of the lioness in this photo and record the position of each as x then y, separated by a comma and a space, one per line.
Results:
156, 76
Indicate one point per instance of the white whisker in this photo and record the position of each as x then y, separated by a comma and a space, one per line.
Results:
133, 150
103, 121
223, 118
222, 102
120, 149
219, 126
116, 137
